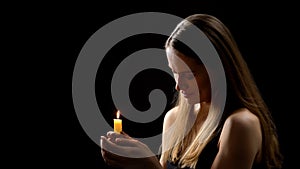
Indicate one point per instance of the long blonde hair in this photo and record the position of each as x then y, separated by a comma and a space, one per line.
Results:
183, 143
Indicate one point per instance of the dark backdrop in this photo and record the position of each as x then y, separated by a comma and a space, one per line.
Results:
57, 32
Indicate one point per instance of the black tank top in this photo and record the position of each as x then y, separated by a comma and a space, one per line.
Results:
208, 155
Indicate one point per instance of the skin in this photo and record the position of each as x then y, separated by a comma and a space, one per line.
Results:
126, 147
191, 78
240, 141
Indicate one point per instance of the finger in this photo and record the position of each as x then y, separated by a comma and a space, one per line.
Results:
105, 142
125, 134
112, 147
114, 135
126, 142
101, 141
137, 148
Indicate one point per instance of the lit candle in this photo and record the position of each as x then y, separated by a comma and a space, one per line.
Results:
118, 123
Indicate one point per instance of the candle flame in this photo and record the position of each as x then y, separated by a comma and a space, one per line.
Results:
118, 114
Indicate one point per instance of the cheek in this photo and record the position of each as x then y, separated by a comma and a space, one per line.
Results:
195, 83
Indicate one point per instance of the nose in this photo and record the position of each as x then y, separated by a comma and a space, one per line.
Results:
181, 84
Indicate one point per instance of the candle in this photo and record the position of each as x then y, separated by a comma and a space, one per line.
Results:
118, 123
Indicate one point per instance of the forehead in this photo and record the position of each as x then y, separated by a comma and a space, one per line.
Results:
179, 62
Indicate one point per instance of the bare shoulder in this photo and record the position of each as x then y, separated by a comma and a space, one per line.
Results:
242, 123
242, 118
172, 113
240, 141
170, 117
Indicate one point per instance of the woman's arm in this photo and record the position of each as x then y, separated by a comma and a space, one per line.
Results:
168, 121
240, 141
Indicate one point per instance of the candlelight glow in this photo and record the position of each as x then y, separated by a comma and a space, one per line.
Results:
118, 114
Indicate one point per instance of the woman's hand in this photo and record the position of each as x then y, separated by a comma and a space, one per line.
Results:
122, 151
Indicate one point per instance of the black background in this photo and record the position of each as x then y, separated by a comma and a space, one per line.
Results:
47, 38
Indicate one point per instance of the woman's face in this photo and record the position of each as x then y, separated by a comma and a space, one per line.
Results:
191, 78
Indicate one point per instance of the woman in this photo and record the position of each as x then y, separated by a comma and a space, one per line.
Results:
196, 134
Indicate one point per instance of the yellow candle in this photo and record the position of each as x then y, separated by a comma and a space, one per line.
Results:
118, 123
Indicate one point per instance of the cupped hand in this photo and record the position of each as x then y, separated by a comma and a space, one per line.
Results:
123, 151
